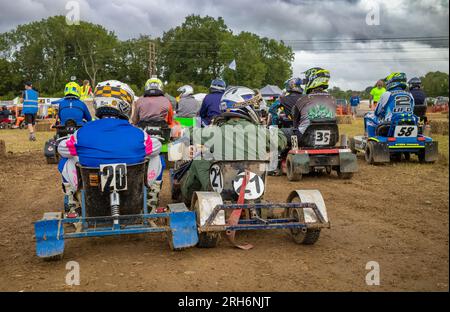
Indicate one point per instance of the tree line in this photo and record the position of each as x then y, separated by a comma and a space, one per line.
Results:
48, 52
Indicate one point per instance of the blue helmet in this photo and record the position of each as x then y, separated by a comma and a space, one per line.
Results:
396, 80
415, 83
294, 85
218, 85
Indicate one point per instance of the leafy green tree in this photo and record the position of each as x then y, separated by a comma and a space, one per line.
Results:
435, 84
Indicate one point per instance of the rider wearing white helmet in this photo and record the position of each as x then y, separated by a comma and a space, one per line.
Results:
188, 106
110, 139
240, 118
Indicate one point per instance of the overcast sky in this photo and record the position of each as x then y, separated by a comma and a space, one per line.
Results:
331, 25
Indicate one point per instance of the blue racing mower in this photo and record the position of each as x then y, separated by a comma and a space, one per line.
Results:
113, 201
400, 137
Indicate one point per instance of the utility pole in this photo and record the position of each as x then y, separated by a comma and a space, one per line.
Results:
151, 59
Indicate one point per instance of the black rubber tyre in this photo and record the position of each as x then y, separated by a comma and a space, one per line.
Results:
421, 156
208, 240
352, 146
369, 153
308, 237
407, 156
290, 172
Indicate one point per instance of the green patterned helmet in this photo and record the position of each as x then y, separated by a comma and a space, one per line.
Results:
316, 78
396, 80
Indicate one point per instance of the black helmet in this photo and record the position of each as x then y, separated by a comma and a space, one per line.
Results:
415, 83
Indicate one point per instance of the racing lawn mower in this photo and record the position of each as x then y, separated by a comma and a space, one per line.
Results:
316, 151
62, 132
393, 140
157, 127
113, 201
235, 203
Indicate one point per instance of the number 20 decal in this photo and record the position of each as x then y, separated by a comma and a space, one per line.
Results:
114, 177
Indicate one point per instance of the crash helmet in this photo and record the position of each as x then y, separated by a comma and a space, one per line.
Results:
186, 90
415, 83
218, 85
113, 98
241, 102
72, 89
396, 80
316, 78
154, 84
294, 85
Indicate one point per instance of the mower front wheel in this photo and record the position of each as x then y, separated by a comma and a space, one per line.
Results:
292, 175
369, 150
302, 236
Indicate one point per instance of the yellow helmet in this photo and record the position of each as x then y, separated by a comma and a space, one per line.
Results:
153, 83
72, 88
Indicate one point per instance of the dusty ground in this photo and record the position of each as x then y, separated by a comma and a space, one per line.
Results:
395, 214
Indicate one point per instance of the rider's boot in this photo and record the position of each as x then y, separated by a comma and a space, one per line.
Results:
70, 210
153, 196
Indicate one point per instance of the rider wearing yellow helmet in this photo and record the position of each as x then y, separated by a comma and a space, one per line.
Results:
71, 107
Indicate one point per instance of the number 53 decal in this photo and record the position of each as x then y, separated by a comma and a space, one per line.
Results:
113, 177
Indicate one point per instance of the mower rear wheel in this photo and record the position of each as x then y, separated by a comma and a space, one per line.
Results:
290, 170
352, 146
205, 239
301, 236
369, 153
52, 160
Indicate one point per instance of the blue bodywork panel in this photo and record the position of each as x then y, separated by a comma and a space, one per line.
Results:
49, 238
183, 226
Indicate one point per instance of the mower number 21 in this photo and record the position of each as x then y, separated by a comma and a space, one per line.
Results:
113, 177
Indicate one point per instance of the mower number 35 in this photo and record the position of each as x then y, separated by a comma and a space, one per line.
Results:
323, 137
405, 131
113, 177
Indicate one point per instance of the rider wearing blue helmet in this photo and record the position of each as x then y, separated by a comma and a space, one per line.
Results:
294, 91
211, 103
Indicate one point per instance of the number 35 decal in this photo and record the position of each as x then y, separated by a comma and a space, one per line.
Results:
113, 177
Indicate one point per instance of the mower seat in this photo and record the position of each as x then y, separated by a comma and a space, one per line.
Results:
308, 139
97, 202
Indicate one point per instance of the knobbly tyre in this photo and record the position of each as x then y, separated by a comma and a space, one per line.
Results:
393, 140
235, 202
62, 131
317, 151
113, 202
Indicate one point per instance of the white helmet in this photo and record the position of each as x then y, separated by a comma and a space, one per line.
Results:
241, 102
113, 98
186, 90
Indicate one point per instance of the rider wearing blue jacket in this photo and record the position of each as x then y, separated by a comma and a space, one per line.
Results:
396, 100
111, 139
211, 103
71, 107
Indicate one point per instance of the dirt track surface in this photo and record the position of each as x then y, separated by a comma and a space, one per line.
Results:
395, 214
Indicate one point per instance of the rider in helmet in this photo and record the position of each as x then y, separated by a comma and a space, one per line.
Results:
294, 91
154, 104
316, 104
396, 85
108, 140
188, 106
211, 103
416, 90
71, 107
239, 118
